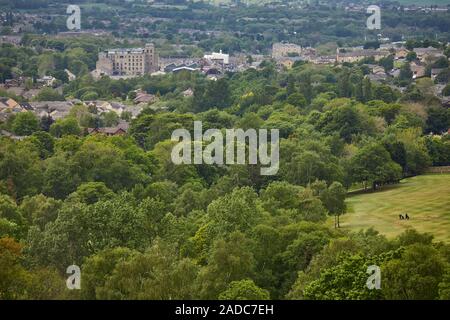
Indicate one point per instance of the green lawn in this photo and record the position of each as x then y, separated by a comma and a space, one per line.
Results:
426, 199
425, 2
417, 2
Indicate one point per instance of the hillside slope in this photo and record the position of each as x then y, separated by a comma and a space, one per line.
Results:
426, 199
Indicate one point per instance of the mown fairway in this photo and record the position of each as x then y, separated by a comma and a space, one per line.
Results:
425, 2
426, 199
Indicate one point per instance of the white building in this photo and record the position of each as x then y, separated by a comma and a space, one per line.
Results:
47, 81
218, 57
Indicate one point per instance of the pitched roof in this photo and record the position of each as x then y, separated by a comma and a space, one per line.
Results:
53, 105
426, 50
26, 106
363, 53
122, 127
184, 68
112, 130
8, 102
188, 93
107, 131
377, 77
437, 70
116, 105
144, 97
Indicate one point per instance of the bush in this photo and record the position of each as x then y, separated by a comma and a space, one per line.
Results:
25, 124
446, 90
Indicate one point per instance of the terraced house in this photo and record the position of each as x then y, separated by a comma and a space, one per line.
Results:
357, 55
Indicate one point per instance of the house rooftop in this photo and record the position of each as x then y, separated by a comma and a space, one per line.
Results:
121, 128
53, 105
426, 50
361, 53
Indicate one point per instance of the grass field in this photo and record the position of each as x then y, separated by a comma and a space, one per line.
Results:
426, 199
425, 2
416, 2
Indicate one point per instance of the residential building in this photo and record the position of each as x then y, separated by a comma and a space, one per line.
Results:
380, 78
144, 97
16, 82
401, 53
288, 62
395, 73
46, 81
376, 69
435, 72
357, 55
188, 93
280, 50
119, 130
427, 53
105, 106
418, 70
321, 59
8, 103
55, 109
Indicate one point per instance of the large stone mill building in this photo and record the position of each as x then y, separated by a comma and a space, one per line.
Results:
128, 62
